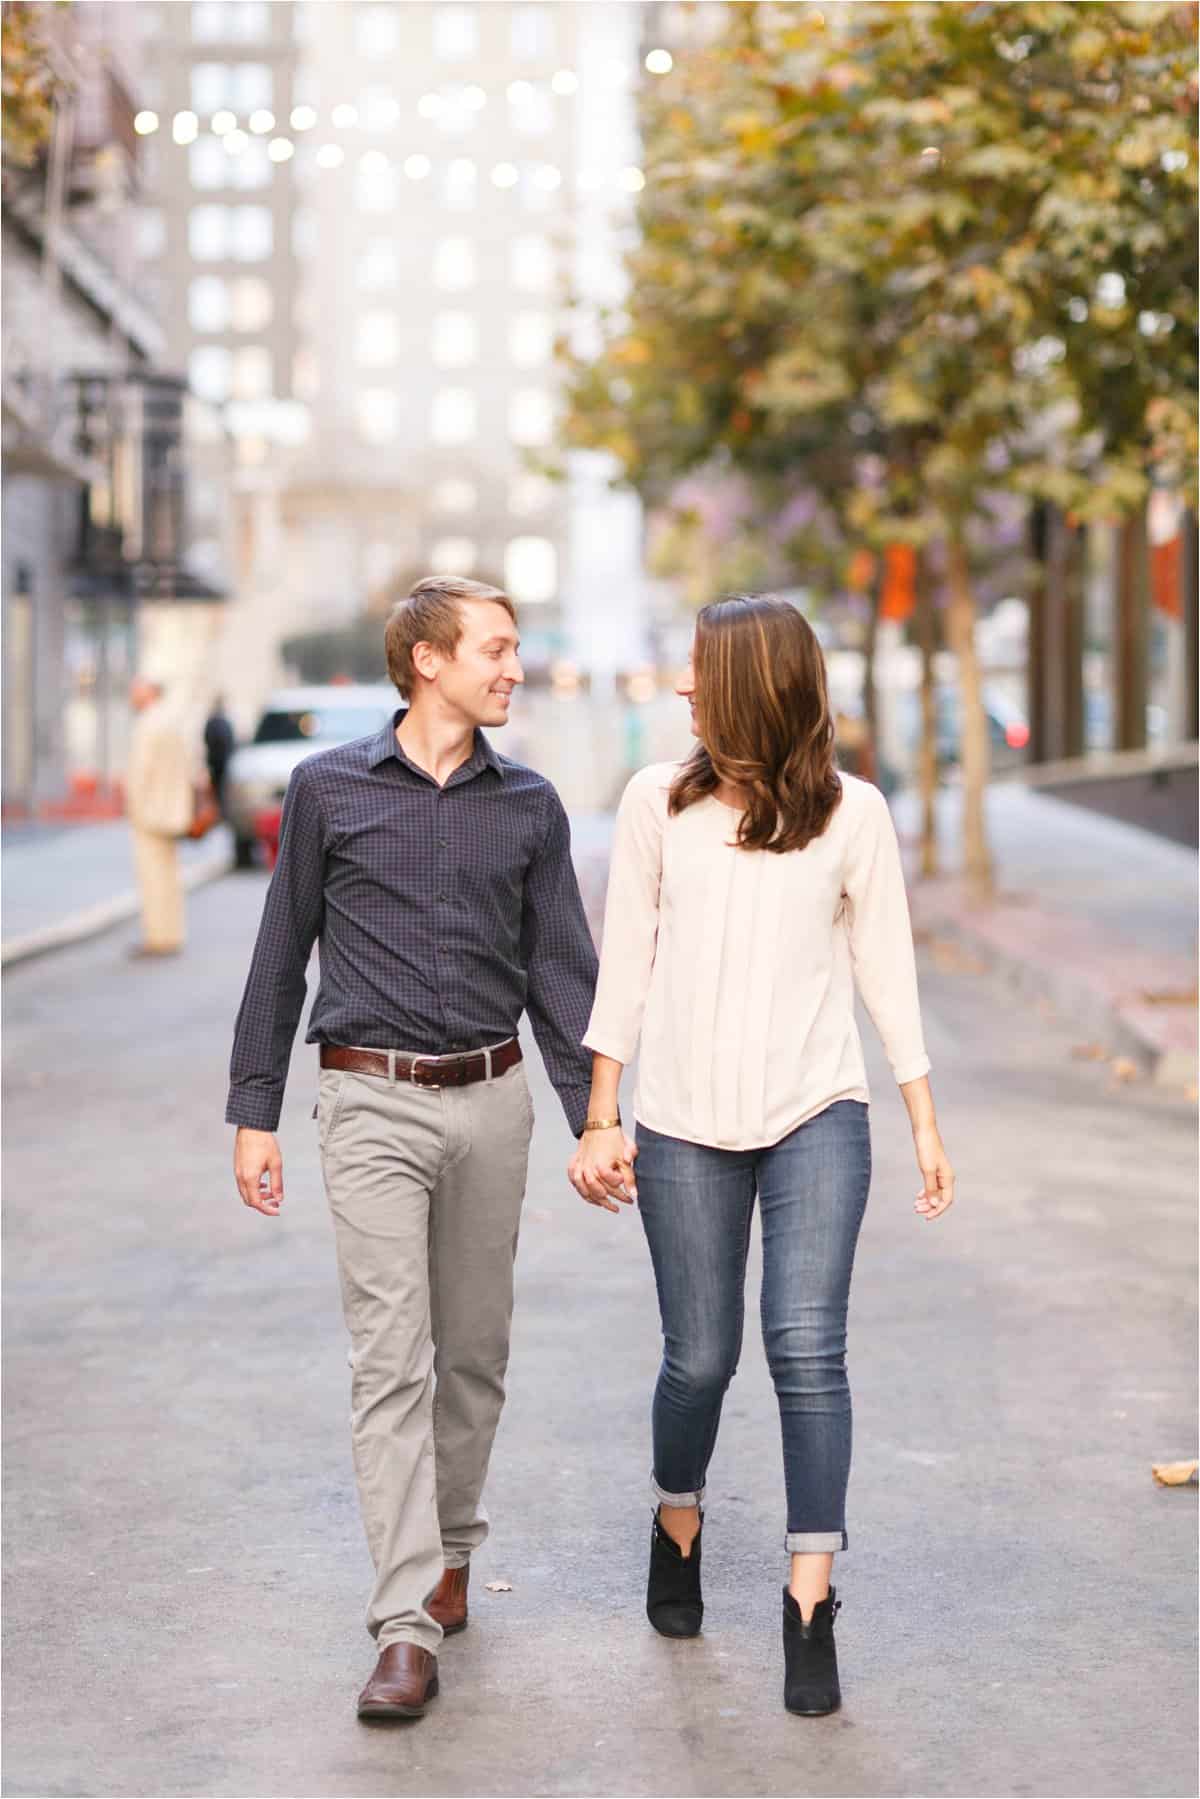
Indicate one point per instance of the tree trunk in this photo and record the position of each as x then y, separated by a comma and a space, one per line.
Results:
869, 701
1130, 634
927, 768
960, 628
1039, 543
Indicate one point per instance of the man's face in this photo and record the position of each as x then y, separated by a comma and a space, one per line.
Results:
477, 683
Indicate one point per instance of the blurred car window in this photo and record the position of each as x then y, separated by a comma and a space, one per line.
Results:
335, 724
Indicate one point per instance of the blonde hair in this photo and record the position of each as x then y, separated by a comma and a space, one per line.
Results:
432, 614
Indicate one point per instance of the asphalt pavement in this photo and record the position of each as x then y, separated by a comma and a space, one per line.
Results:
185, 1568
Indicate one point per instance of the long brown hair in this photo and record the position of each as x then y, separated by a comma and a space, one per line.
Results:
763, 720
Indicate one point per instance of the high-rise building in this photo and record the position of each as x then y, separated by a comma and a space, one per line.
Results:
369, 217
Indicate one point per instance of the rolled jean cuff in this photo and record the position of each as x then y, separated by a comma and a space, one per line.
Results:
814, 1542
662, 1497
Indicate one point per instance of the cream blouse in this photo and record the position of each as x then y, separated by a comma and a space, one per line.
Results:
737, 967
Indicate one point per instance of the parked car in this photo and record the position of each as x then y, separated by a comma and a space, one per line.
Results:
1008, 728
296, 722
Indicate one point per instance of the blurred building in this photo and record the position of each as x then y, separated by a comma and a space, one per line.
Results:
367, 218
98, 439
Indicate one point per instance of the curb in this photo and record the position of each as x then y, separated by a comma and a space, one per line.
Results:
97, 919
1076, 1001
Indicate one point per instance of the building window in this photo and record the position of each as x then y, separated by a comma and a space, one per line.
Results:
376, 30
460, 184
531, 570
529, 495
208, 164
210, 371
455, 33
529, 109
251, 235
229, 21
208, 304
251, 166
253, 303
454, 264
375, 187
208, 233
452, 556
531, 31
530, 339
452, 420
454, 496
378, 415
530, 416
378, 109
252, 373
455, 340
377, 341
244, 86
379, 265
531, 264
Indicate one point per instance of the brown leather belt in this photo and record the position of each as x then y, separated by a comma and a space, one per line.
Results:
423, 1071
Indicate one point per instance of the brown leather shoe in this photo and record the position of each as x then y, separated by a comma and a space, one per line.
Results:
449, 1601
404, 1681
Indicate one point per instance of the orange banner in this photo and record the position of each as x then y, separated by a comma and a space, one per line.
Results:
1166, 576
899, 594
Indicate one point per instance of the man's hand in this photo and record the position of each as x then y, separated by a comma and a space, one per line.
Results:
258, 1167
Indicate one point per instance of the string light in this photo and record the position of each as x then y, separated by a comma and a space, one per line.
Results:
632, 180
474, 98
564, 81
505, 174
262, 121
303, 118
281, 149
344, 117
330, 156
520, 93
185, 127
660, 62
145, 122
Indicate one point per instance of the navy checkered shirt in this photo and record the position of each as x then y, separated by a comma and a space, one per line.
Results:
442, 913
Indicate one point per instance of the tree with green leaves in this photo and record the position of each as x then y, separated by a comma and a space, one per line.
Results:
911, 257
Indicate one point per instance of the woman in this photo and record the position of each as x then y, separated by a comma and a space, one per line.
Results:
751, 886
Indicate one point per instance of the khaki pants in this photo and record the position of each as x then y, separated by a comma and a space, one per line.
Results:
425, 1185
156, 859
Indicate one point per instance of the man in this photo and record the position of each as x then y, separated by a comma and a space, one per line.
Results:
159, 801
219, 744
437, 876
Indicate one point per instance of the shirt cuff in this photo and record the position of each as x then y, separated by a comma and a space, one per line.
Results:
575, 1101
616, 1051
911, 1071
256, 1113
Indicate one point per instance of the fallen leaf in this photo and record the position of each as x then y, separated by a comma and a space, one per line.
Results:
1125, 1070
498, 1586
1175, 1474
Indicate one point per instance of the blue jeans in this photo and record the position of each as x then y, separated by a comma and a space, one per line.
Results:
696, 1205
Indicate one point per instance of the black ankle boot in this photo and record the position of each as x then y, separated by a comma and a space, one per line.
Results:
810, 1670
673, 1602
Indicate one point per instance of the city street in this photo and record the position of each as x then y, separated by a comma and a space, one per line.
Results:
186, 1571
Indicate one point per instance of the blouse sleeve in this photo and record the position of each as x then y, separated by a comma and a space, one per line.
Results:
881, 943
630, 920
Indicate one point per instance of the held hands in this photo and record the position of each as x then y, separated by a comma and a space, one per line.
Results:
601, 1170
937, 1195
258, 1166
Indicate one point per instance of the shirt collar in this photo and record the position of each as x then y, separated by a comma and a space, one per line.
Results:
483, 756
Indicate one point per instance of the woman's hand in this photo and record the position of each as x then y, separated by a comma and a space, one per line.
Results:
937, 1195
601, 1170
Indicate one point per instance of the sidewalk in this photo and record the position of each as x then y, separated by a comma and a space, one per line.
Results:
1093, 917
64, 882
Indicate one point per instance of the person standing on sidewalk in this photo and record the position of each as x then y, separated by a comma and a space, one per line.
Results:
436, 876
751, 886
219, 745
159, 802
